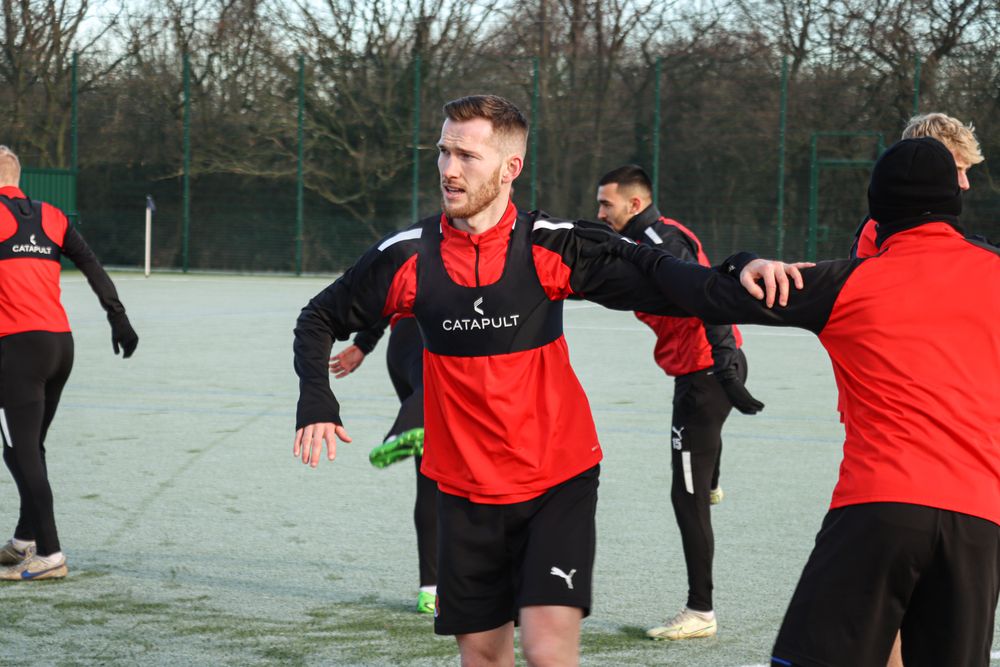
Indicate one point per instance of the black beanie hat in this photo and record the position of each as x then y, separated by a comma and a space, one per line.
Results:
915, 178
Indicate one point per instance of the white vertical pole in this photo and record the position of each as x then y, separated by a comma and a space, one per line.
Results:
150, 207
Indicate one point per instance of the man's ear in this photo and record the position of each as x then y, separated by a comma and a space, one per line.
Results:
512, 168
635, 205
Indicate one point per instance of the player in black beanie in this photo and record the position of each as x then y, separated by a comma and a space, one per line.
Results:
915, 181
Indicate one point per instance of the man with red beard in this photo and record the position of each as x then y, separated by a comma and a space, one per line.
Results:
509, 437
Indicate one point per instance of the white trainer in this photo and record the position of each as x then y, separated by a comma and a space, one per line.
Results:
687, 624
35, 568
11, 555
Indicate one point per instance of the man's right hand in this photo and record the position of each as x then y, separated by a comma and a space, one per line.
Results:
737, 392
309, 441
123, 336
346, 361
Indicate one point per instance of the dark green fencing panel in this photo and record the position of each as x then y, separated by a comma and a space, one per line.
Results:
55, 186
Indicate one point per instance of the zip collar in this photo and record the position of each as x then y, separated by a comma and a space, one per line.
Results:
636, 228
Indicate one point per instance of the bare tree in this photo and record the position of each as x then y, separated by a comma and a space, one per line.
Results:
40, 37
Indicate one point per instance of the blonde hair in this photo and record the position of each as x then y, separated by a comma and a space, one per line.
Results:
950, 131
10, 167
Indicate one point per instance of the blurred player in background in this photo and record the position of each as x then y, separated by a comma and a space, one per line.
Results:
709, 370
36, 356
405, 362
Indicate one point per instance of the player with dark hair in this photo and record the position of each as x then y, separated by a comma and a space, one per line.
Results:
36, 356
709, 370
912, 538
509, 437
405, 362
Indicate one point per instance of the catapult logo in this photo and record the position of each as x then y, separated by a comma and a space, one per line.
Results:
33, 247
480, 323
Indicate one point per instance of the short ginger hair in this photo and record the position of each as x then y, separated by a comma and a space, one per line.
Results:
510, 127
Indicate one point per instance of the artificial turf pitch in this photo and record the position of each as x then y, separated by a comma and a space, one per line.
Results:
195, 538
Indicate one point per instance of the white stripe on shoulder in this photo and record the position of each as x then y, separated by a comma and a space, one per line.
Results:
653, 235
408, 235
542, 224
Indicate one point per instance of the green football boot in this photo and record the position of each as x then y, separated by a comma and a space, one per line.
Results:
425, 602
406, 444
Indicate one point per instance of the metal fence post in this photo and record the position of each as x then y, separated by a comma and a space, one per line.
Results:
657, 70
534, 132
74, 145
782, 116
186, 200
813, 232
415, 194
299, 190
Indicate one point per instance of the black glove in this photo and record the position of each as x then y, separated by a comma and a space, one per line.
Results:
604, 241
738, 395
123, 335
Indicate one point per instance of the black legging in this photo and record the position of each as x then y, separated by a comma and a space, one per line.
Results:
34, 367
404, 357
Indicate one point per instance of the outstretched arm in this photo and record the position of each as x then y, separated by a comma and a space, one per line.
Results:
719, 297
598, 241
742, 289
123, 336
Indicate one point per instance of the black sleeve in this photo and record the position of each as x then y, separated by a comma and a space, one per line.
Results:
354, 302
367, 340
719, 336
716, 295
84, 259
610, 281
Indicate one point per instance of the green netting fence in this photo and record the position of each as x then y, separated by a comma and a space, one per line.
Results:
300, 172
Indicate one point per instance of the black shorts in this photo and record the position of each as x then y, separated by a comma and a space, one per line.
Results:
881, 567
495, 559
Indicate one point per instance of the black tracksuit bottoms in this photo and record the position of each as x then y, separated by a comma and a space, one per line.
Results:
405, 360
34, 367
700, 409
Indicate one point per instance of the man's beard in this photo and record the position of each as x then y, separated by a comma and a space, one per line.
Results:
476, 201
